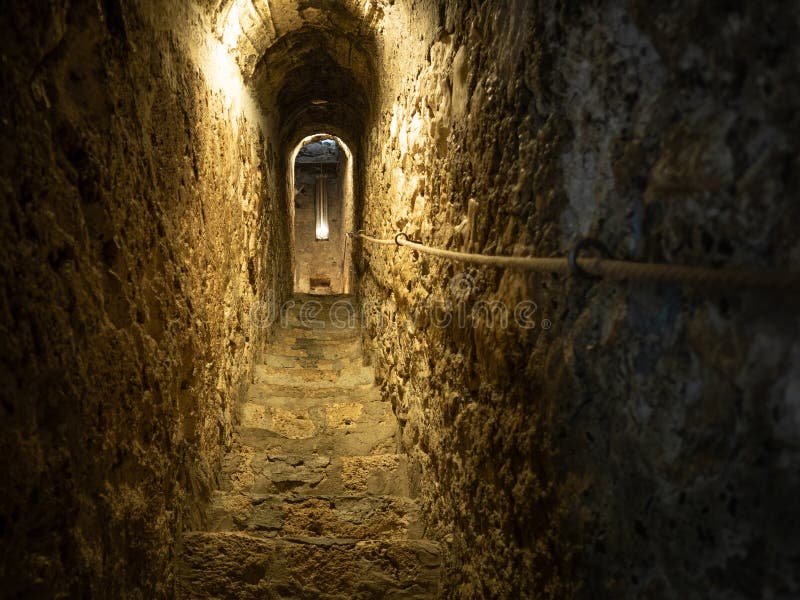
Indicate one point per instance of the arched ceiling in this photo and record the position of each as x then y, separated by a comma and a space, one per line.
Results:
313, 60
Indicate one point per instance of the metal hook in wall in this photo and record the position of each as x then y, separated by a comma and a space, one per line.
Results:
585, 243
404, 237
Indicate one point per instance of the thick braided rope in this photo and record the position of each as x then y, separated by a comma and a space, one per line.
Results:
613, 269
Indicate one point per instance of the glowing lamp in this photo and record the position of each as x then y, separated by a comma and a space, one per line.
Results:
321, 207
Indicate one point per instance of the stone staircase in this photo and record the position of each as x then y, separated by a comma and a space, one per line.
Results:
314, 501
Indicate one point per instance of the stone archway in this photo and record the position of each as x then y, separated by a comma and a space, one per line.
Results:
319, 164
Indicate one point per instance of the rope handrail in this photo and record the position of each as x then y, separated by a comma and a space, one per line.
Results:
602, 266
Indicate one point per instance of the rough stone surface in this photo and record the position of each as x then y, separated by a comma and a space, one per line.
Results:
141, 220
615, 439
317, 510
241, 567
593, 440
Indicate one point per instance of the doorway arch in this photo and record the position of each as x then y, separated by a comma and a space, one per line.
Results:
320, 170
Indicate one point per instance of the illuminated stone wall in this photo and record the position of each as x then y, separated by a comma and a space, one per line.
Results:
627, 440
142, 220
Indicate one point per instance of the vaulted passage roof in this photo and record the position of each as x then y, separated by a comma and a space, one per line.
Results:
313, 60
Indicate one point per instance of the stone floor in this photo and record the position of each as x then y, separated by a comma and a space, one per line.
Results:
315, 500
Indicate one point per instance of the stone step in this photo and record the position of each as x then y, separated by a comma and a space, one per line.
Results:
264, 394
291, 332
309, 472
266, 391
314, 498
321, 362
354, 516
307, 354
325, 299
350, 377
238, 566
301, 418
349, 352
326, 307
303, 437
334, 317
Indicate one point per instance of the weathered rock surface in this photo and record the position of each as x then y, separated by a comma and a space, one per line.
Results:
633, 441
242, 567
142, 219
314, 499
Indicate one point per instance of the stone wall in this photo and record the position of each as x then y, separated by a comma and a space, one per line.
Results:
142, 219
615, 439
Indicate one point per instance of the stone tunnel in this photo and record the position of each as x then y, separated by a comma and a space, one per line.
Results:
216, 384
